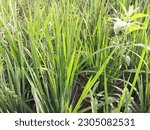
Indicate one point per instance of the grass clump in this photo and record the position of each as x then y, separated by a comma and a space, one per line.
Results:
74, 56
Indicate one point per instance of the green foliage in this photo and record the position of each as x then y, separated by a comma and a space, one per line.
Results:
74, 56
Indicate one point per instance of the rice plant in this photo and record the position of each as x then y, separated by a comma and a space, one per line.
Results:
74, 56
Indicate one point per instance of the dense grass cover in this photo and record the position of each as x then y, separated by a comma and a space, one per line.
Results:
74, 56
